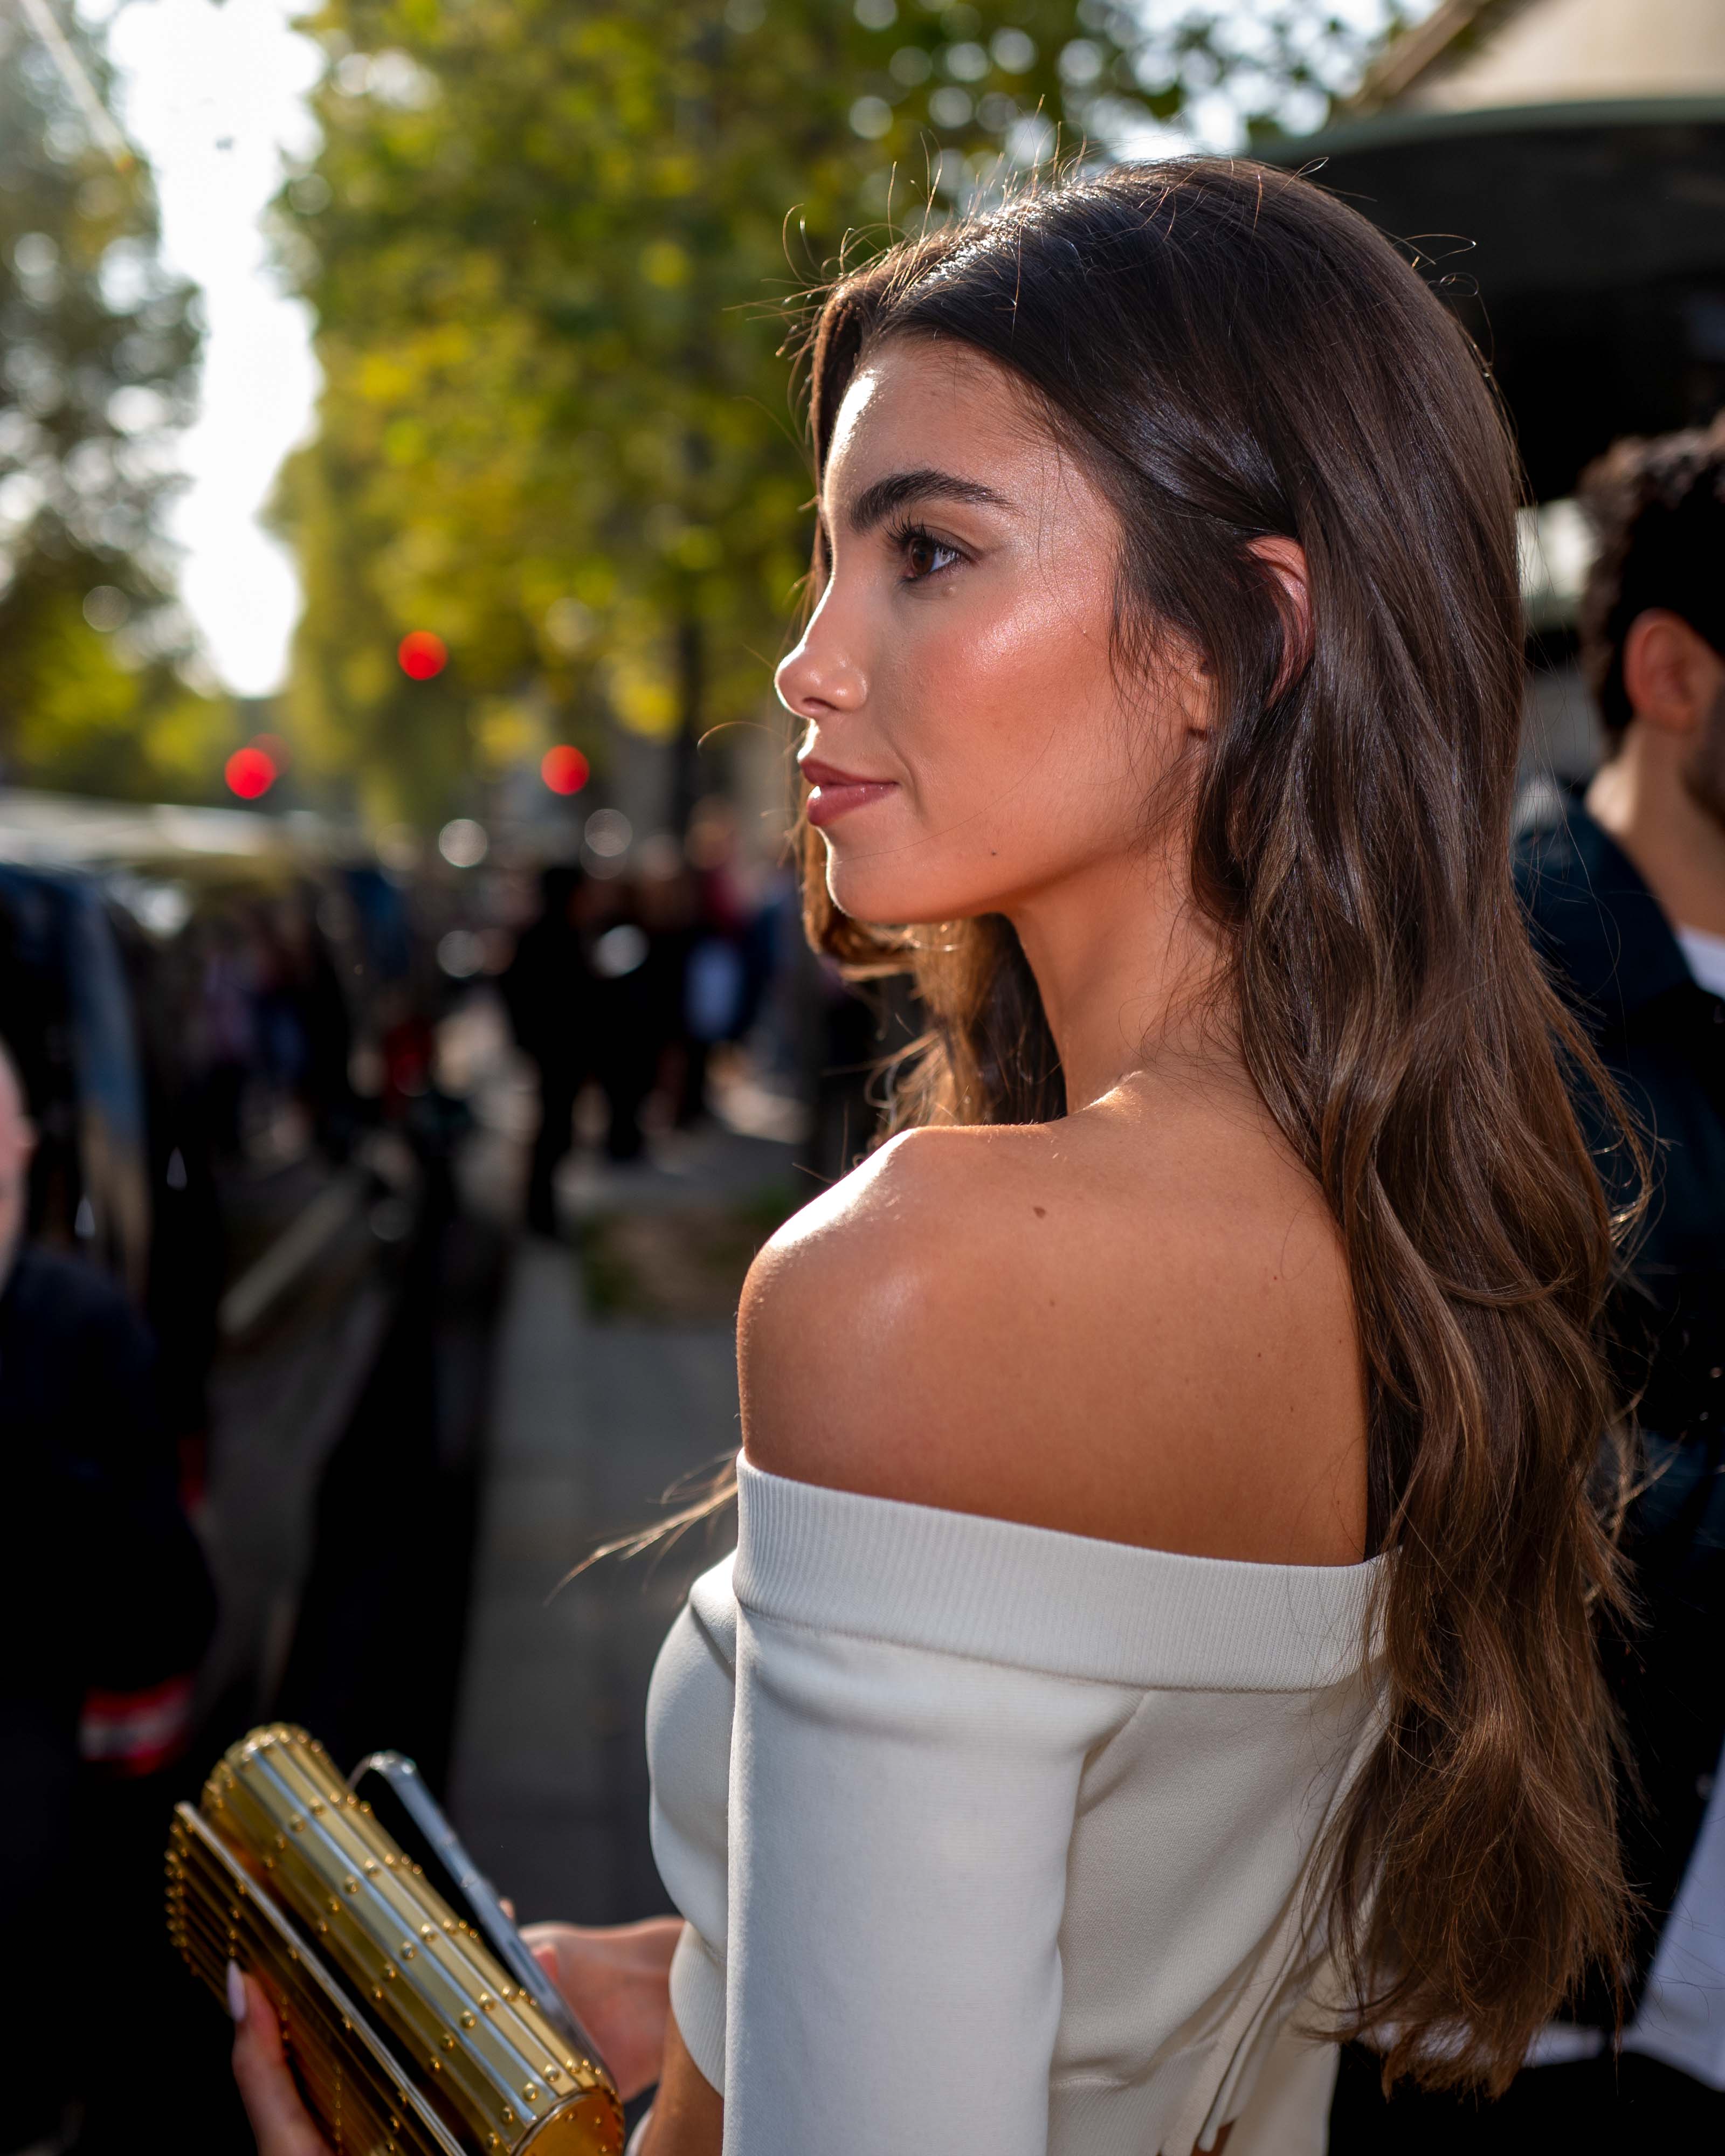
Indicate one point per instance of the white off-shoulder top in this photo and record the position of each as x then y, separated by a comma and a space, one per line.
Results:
994, 1839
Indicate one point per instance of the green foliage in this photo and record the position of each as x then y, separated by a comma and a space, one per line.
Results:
86, 717
97, 353
549, 246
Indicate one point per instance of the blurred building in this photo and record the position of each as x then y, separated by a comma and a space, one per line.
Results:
1560, 165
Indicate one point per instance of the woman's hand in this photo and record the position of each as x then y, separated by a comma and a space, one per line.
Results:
267, 2088
617, 1981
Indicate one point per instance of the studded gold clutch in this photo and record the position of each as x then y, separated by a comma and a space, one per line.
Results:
408, 2035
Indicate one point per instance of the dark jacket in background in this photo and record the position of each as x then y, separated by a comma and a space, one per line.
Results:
1662, 1038
104, 1590
105, 1609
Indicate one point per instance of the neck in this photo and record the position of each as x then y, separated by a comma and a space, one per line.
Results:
1123, 962
1676, 844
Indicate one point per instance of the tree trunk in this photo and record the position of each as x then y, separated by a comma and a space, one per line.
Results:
687, 787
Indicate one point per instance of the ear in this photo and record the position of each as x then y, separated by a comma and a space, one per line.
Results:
1671, 676
1286, 561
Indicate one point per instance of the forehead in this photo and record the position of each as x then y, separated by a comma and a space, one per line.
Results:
913, 401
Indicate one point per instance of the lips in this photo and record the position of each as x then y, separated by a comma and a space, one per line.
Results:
834, 792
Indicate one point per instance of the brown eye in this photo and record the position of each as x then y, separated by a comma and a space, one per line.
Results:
925, 556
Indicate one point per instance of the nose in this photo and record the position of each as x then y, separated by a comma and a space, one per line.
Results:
823, 674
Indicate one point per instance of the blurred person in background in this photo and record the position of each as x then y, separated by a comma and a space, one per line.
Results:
105, 1610
304, 1020
1625, 885
639, 949
660, 896
549, 992
723, 980
223, 1030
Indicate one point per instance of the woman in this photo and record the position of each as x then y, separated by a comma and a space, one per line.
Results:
1159, 1638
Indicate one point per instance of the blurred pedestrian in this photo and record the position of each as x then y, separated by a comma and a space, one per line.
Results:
549, 991
1625, 885
726, 971
638, 948
223, 1029
105, 1609
317, 1023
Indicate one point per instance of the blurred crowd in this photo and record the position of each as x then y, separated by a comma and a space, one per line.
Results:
232, 1263
198, 1045
640, 986
630, 982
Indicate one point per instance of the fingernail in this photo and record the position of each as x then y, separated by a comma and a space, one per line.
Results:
236, 1992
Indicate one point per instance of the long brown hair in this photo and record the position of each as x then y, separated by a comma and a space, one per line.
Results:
1235, 354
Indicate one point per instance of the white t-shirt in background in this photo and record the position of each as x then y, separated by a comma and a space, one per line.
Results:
1705, 956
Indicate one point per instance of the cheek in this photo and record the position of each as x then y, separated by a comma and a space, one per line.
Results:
989, 704
1019, 765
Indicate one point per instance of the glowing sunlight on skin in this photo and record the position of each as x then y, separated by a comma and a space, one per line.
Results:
971, 744
962, 649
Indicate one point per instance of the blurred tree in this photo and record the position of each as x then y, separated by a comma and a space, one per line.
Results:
97, 352
547, 246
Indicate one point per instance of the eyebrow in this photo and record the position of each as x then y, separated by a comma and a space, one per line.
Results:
898, 490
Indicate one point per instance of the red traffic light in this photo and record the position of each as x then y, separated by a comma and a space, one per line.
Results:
564, 769
422, 654
250, 772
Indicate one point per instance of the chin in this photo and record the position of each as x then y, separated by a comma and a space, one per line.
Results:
880, 893
876, 900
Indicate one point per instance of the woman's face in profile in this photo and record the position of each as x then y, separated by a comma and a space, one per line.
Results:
966, 734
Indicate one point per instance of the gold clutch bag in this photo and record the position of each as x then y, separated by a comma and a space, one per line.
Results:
406, 2032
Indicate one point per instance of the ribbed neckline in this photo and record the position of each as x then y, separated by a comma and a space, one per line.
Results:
1032, 1598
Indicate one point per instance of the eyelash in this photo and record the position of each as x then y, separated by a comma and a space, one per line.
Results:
904, 536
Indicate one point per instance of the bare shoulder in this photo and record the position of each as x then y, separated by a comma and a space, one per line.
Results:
1139, 1331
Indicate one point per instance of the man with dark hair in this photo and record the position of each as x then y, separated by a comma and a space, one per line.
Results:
1628, 894
1624, 885
1658, 515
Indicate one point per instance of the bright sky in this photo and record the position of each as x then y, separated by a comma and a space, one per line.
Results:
213, 96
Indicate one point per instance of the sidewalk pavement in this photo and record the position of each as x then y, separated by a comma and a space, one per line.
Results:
593, 1421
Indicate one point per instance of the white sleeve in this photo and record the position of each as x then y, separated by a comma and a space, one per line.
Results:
899, 1826
690, 1708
